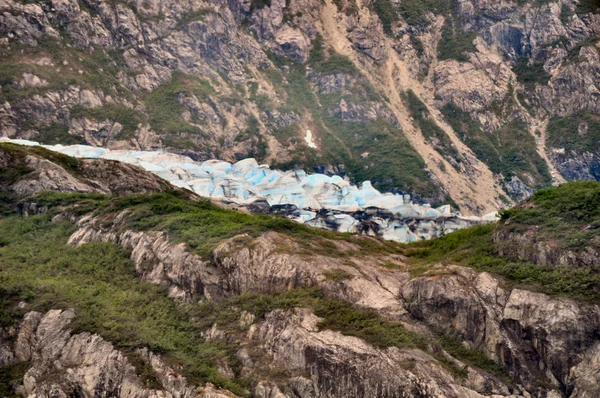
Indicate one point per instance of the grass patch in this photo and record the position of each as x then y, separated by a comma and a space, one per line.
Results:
98, 280
568, 215
201, 224
329, 63
337, 275
165, 107
19, 152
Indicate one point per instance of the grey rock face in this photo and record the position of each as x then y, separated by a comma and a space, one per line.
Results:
99, 70
64, 364
328, 361
535, 337
85, 176
531, 334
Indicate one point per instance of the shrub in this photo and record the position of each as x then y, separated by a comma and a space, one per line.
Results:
510, 150
165, 107
563, 132
455, 44
99, 281
568, 216
530, 75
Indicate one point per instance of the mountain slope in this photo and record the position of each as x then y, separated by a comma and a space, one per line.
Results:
165, 294
503, 102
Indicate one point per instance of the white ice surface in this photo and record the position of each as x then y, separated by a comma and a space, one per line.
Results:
247, 181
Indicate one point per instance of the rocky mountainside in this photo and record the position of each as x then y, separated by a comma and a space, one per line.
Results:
473, 102
154, 292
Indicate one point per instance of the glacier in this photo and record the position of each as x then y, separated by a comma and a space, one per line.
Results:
319, 200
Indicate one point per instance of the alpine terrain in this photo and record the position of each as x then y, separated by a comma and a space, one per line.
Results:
300, 198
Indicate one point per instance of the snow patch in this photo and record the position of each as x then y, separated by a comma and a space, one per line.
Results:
309, 140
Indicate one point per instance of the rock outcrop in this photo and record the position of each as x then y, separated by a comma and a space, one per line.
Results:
47, 171
533, 336
232, 79
65, 364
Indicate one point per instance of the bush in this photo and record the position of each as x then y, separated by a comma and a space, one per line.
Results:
510, 150
530, 75
568, 216
165, 107
455, 44
563, 132
99, 281
387, 14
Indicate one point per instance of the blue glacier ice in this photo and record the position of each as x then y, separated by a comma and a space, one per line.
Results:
247, 181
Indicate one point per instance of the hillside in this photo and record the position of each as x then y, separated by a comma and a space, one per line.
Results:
472, 103
161, 293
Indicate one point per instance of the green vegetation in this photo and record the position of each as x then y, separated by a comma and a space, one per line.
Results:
252, 134
564, 132
510, 150
129, 118
165, 108
201, 224
568, 215
587, 6
350, 8
387, 14
258, 4
345, 318
94, 69
530, 75
391, 164
429, 128
10, 376
57, 134
414, 12
337, 275
18, 153
565, 14
98, 280
455, 44
193, 16
329, 64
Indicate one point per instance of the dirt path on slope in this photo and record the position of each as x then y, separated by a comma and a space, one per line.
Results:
540, 140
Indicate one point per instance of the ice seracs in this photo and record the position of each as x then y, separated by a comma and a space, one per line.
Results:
319, 200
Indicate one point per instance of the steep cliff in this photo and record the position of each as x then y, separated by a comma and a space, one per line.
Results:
475, 102
162, 294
